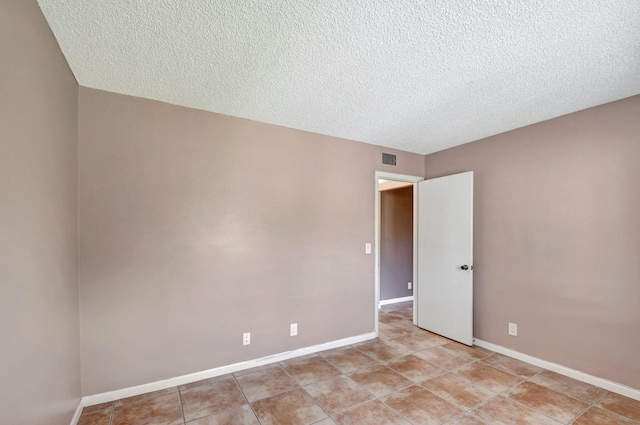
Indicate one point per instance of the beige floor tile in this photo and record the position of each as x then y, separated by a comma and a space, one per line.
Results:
266, 383
388, 317
348, 360
460, 350
596, 416
444, 358
405, 325
465, 420
256, 369
205, 382
458, 390
309, 370
421, 406
379, 350
163, 410
623, 406
416, 341
210, 397
487, 376
555, 405
294, 407
380, 380
327, 421
242, 415
374, 412
403, 314
414, 368
389, 307
95, 407
502, 411
96, 416
146, 396
569, 386
337, 394
386, 332
511, 365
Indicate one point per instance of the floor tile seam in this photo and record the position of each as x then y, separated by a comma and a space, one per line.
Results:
493, 367
544, 414
463, 409
113, 409
505, 369
567, 395
317, 404
494, 396
336, 366
184, 418
459, 415
270, 395
294, 379
242, 391
607, 410
375, 397
355, 406
444, 372
177, 387
247, 400
275, 365
593, 404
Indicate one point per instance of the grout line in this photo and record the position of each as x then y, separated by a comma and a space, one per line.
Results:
113, 411
184, 418
246, 399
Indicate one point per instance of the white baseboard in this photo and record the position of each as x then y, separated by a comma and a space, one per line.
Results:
562, 370
395, 300
223, 370
76, 416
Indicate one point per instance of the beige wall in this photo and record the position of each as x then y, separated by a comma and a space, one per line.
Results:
557, 238
197, 227
396, 242
39, 358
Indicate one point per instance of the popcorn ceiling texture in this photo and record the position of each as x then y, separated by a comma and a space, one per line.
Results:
416, 75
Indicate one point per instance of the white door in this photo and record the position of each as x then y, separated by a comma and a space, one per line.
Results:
445, 256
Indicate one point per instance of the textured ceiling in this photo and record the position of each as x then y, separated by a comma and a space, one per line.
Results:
417, 75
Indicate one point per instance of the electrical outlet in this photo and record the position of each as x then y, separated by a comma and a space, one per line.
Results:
246, 338
294, 329
367, 248
408, 285
513, 329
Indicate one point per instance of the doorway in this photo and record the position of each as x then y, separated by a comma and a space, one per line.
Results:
396, 241
391, 180
442, 253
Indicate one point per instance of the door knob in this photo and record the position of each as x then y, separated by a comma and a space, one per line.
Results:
465, 267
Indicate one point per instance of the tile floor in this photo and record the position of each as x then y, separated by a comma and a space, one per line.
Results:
407, 376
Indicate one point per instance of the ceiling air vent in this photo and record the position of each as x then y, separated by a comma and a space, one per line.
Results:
389, 159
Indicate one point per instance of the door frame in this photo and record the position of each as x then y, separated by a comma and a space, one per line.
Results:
400, 178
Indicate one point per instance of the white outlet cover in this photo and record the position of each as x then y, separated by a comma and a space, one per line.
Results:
294, 329
367, 248
513, 329
246, 338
